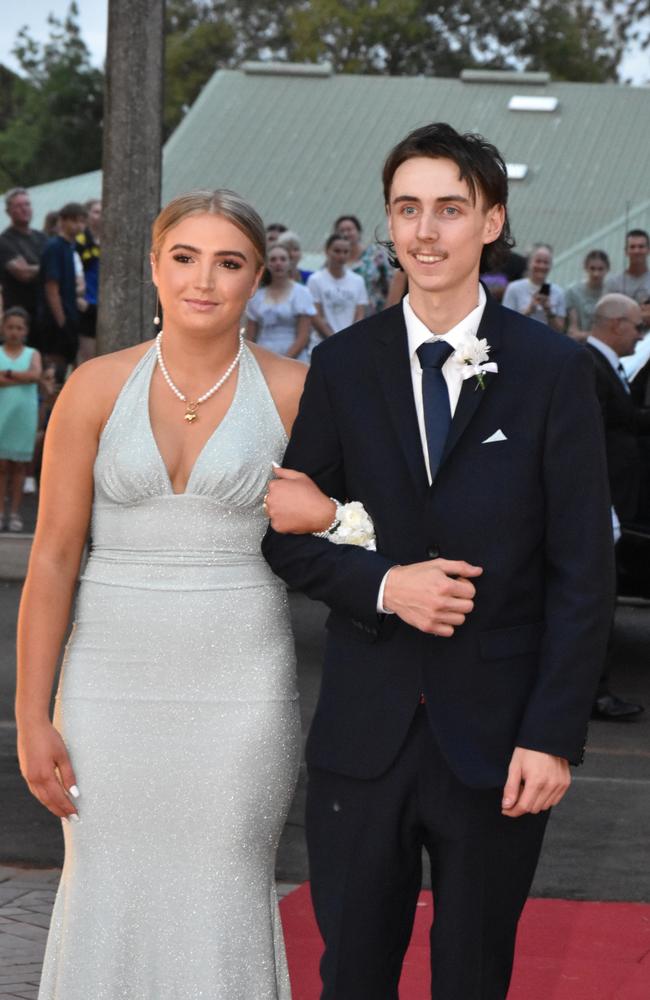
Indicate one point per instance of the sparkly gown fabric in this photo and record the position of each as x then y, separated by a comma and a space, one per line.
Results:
178, 705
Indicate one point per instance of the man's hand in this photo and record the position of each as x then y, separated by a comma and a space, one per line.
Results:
434, 596
536, 781
295, 504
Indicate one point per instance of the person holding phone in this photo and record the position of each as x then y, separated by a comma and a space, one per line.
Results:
534, 295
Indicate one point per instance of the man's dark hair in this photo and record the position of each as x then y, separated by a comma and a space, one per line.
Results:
276, 227
73, 210
480, 165
637, 232
348, 218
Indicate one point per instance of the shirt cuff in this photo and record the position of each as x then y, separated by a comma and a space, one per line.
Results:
381, 610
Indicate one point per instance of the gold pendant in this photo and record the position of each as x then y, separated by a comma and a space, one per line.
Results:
190, 412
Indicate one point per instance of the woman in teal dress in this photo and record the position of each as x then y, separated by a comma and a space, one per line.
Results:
20, 371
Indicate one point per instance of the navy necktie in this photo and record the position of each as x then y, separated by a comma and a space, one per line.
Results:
435, 399
622, 374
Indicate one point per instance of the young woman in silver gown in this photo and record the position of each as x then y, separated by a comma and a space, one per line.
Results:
174, 748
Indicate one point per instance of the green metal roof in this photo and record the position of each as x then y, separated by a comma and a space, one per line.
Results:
305, 146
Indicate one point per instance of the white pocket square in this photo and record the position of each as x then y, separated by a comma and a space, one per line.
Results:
497, 436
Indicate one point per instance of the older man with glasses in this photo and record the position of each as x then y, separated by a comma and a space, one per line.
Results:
616, 328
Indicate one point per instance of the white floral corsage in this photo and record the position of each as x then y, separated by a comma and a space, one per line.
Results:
351, 526
473, 355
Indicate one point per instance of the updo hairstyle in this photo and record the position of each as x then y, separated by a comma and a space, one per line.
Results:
223, 202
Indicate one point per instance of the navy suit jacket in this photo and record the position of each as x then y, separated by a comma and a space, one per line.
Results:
532, 510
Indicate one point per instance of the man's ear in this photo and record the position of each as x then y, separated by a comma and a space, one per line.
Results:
495, 218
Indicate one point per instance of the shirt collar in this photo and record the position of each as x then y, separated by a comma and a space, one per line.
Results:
418, 333
607, 351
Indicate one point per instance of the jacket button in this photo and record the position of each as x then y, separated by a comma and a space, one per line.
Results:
433, 552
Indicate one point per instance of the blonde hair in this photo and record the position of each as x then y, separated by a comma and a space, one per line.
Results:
289, 240
221, 202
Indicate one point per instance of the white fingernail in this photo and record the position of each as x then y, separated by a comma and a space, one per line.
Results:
276, 465
74, 817
74, 791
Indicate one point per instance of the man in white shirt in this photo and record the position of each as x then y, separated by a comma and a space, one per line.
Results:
616, 328
463, 654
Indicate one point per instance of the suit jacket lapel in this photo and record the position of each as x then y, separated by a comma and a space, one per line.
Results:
471, 393
390, 347
603, 363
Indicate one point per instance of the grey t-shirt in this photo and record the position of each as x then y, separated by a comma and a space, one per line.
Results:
583, 299
637, 286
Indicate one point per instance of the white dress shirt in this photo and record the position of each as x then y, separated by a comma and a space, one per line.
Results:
613, 358
417, 334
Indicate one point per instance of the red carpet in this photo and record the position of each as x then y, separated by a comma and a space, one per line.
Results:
565, 950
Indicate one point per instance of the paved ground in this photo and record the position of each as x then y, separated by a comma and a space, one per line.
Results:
597, 846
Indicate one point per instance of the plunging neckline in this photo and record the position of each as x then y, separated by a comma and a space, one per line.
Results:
207, 442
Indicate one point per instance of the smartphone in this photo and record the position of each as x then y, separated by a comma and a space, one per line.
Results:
545, 289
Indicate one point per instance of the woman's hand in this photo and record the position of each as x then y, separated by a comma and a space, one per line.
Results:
295, 504
46, 767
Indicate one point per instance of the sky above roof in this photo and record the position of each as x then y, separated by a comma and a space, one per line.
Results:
93, 18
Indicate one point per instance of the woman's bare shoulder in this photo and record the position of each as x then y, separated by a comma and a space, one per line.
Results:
285, 379
97, 382
285, 373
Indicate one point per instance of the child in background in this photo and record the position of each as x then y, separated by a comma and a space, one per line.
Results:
20, 371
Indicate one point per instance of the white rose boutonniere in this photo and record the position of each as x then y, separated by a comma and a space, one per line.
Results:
473, 355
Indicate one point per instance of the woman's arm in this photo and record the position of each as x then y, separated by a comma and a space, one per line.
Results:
295, 504
320, 324
303, 326
64, 514
573, 327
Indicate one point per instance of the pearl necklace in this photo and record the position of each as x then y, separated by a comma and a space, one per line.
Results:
190, 414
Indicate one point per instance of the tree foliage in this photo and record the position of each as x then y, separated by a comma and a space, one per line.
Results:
571, 39
56, 130
50, 116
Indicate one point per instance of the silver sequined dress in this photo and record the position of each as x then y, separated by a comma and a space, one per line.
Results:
178, 705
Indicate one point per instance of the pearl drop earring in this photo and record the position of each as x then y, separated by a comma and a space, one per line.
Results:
156, 319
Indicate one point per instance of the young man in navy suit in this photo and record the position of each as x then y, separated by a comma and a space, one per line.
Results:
462, 655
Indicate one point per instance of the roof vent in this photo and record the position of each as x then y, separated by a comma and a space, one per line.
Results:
516, 171
287, 69
533, 103
504, 76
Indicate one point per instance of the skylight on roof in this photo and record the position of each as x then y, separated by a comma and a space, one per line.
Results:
533, 103
516, 171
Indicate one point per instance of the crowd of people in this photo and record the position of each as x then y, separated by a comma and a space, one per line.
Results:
50, 285
463, 548
49, 280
